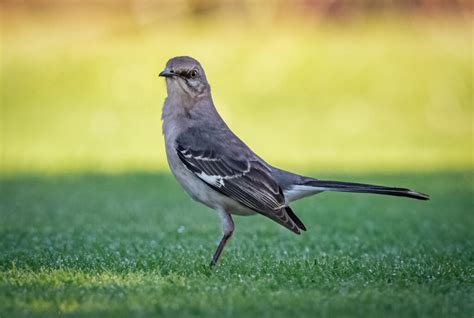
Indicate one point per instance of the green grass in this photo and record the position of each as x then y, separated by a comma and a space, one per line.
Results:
134, 245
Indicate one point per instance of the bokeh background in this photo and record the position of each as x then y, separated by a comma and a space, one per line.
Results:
310, 85
92, 224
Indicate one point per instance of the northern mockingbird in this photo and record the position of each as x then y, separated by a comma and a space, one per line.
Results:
219, 170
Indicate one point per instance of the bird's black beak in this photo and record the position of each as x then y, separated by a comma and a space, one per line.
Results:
167, 73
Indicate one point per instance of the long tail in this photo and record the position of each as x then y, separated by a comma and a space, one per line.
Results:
316, 186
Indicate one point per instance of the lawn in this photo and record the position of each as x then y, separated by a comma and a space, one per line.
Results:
134, 245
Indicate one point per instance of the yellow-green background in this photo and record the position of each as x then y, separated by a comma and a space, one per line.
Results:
80, 89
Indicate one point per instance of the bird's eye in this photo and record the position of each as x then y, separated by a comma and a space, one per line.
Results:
193, 74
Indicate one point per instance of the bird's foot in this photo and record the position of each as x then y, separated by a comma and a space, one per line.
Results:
212, 264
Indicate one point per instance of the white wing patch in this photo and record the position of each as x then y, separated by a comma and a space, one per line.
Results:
217, 181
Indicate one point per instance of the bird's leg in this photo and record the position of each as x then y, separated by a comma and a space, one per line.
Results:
228, 227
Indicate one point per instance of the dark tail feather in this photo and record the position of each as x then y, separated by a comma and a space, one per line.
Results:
365, 188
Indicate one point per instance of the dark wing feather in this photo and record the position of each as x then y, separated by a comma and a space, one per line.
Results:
248, 182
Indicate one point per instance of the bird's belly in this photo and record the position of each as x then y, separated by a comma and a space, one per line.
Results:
201, 192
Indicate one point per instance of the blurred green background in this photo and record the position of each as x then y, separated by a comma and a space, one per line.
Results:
307, 86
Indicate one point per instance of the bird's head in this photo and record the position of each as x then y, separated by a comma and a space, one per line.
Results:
184, 75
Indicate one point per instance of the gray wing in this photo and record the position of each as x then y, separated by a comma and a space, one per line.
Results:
245, 179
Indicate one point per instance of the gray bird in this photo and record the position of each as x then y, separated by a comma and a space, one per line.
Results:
219, 170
